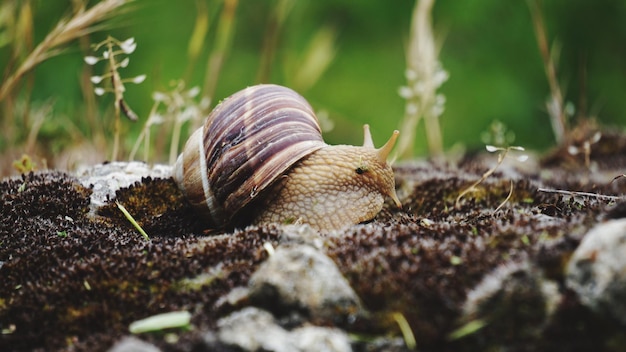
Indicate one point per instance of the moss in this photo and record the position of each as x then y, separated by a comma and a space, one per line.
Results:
84, 287
102, 275
425, 269
158, 207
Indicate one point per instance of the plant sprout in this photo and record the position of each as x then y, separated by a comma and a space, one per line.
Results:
113, 50
500, 137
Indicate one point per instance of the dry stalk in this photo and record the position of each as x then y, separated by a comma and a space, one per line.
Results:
271, 37
555, 104
508, 197
424, 76
582, 194
318, 56
198, 37
224, 35
80, 24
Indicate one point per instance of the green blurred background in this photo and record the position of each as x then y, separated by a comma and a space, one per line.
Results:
488, 48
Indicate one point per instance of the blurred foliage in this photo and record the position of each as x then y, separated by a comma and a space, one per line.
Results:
488, 48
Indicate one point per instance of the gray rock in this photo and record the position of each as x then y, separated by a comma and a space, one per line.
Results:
597, 269
514, 302
106, 179
315, 338
302, 234
302, 278
133, 344
253, 329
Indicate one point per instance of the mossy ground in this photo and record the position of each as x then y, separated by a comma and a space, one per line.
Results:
72, 280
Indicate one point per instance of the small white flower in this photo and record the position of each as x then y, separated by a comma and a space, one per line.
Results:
159, 96
205, 102
156, 119
96, 79
187, 114
105, 54
440, 76
91, 60
412, 109
139, 79
125, 62
99, 91
128, 46
410, 75
437, 110
440, 99
419, 88
522, 158
193, 92
491, 148
405, 92
572, 150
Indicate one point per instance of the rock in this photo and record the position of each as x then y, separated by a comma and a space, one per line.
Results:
316, 338
597, 269
133, 344
301, 234
512, 304
302, 278
253, 329
106, 179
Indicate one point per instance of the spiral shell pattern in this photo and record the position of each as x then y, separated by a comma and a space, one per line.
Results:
247, 142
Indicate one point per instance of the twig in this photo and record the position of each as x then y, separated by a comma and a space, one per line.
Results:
583, 194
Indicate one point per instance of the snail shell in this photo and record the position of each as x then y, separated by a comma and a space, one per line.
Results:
258, 146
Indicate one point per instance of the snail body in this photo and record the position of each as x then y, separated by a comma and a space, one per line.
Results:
260, 157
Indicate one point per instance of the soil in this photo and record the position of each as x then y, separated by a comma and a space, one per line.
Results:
74, 280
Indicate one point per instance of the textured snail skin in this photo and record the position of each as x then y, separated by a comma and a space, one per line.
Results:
260, 157
325, 190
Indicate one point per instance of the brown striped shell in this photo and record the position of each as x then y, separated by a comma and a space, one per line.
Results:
247, 142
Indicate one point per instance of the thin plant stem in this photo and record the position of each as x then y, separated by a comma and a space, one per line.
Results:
483, 177
65, 31
198, 37
583, 194
405, 328
224, 34
424, 75
271, 37
132, 220
144, 135
178, 124
508, 197
116, 79
555, 104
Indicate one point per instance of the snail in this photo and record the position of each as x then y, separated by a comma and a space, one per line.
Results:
260, 158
